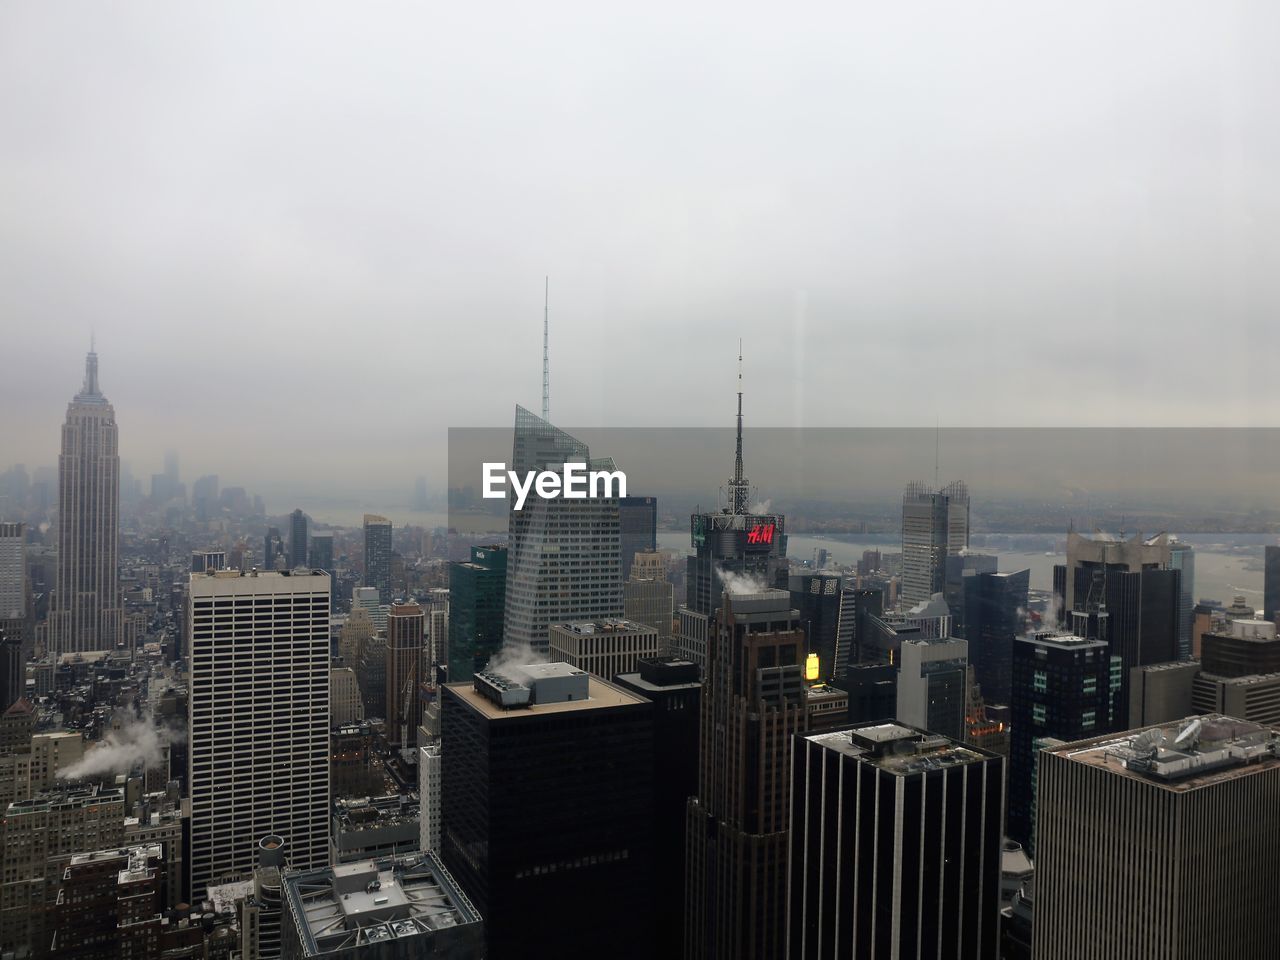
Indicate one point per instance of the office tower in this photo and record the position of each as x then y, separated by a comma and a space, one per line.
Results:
345, 703
85, 613
477, 597
353, 635
13, 670
377, 555
366, 599
297, 539
638, 529
391, 908
320, 552
1182, 558
41, 834
995, 606
1062, 690
933, 685
1270, 583
1162, 692
1247, 647
437, 641
649, 601
1160, 843
753, 701
853, 632
958, 569
429, 812
547, 821
1239, 674
204, 496
273, 552
603, 647
564, 555
420, 499
110, 904
1126, 593
935, 525
13, 582
372, 674
258, 741
406, 632
674, 689
649, 566
817, 597
895, 846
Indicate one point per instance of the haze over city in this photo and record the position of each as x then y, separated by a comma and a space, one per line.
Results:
342, 221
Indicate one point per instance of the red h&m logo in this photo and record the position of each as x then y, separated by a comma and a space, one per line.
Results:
763, 533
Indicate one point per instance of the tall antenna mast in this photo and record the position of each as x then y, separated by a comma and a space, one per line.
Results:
738, 488
546, 353
937, 448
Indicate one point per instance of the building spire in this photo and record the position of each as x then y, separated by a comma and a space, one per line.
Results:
738, 486
91, 371
546, 353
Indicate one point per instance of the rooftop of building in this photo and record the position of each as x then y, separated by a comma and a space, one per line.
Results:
659, 674
356, 904
1183, 755
1170, 666
1066, 641
606, 625
366, 813
898, 748
600, 694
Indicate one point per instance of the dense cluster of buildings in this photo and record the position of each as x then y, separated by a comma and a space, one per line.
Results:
228, 735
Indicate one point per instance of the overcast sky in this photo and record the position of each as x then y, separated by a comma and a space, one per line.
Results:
310, 237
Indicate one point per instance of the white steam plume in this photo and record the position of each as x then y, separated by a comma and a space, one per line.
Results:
513, 655
740, 583
138, 741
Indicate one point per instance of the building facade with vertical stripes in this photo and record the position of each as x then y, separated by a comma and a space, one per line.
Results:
895, 846
258, 720
1160, 843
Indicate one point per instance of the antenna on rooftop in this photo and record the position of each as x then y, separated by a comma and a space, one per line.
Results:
546, 353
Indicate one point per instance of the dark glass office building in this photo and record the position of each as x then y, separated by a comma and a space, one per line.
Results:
1062, 689
477, 595
675, 691
817, 597
1270, 583
547, 811
995, 613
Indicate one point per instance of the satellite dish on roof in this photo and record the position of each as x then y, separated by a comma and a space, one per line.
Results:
1190, 734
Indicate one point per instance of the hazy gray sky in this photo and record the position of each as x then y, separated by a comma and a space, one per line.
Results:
311, 236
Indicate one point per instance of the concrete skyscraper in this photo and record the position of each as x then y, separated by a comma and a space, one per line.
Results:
13, 582
564, 558
85, 613
753, 702
935, 525
377, 555
895, 846
258, 733
1160, 843
406, 631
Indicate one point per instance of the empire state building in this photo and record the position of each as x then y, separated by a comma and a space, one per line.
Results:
86, 611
